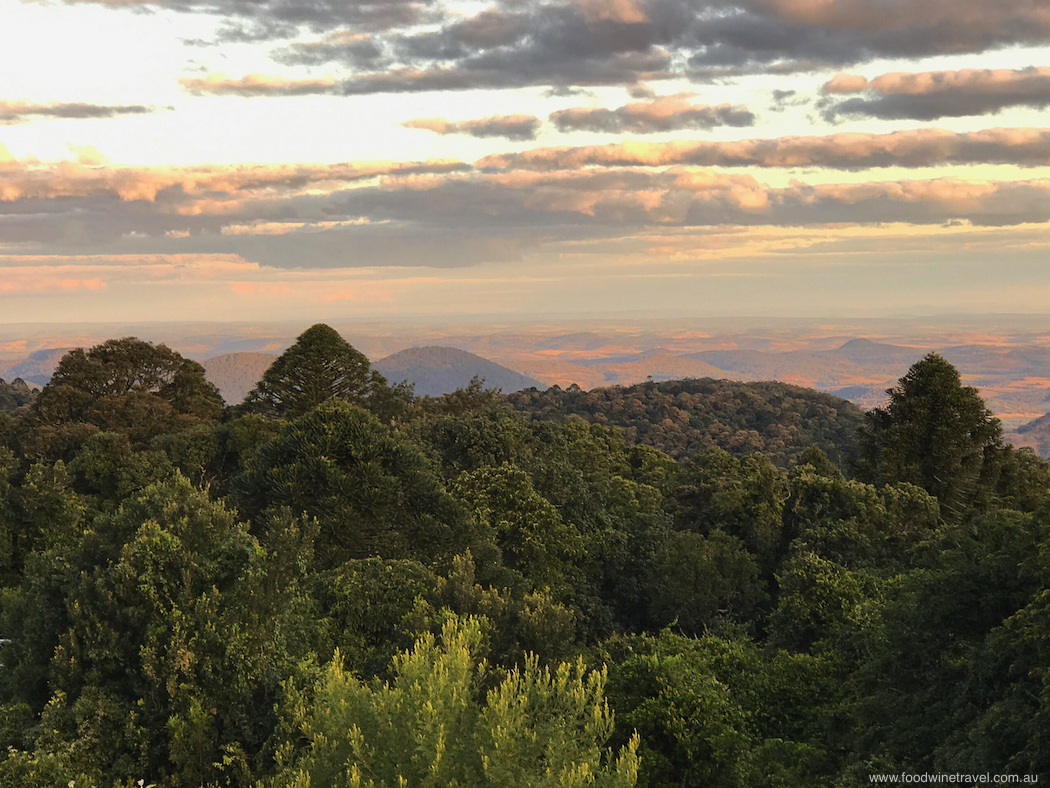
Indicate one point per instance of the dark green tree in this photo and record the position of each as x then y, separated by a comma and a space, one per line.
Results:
373, 492
697, 580
937, 434
319, 366
14, 395
123, 385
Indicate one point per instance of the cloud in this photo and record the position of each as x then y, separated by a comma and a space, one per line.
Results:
625, 12
849, 151
12, 112
938, 94
258, 20
183, 189
416, 45
511, 127
357, 215
87, 155
218, 84
767, 32
667, 113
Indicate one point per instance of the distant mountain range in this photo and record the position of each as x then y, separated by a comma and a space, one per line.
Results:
37, 368
441, 370
1006, 357
235, 374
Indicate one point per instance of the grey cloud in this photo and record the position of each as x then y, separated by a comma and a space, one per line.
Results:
455, 219
914, 148
258, 20
511, 127
782, 99
12, 112
937, 94
668, 113
590, 42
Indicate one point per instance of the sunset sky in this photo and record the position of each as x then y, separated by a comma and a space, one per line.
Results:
280, 159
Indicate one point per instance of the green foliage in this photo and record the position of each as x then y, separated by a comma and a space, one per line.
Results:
719, 713
743, 498
937, 434
856, 524
365, 604
817, 628
166, 650
528, 531
434, 724
14, 395
941, 669
123, 385
698, 580
319, 366
822, 606
685, 417
372, 492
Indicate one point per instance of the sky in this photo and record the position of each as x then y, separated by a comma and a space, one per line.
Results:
336, 159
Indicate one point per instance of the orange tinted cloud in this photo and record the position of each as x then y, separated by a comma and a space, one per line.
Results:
218, 84
904, 14
929, 95
985, 80
33, 283
70, 179
912, 148
622, 11
514, 127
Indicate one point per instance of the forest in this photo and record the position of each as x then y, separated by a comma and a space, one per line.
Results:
338, 583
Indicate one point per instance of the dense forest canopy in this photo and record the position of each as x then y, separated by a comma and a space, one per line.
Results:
338, 584
684, 417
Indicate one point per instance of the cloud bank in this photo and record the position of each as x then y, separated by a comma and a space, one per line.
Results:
930, 95
419, 45
667, 113
511, 127
12, 112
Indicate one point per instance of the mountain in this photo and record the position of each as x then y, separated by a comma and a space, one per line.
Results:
1034, 435
38, 367
658, 365
441, 370
866, 352
235, 374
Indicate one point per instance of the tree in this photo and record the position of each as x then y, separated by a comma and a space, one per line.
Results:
435, 725
373, 493
162, 631
696, 580
319, 366
937, 434
123, 385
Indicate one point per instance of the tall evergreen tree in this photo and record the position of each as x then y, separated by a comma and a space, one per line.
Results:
937, 434
319, 366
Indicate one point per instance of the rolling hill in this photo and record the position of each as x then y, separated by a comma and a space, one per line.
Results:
684, 417
441, 370
235, 374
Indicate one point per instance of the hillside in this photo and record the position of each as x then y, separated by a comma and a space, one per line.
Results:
37, 368
441, 370
683, 417
235, 374
1034, 435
